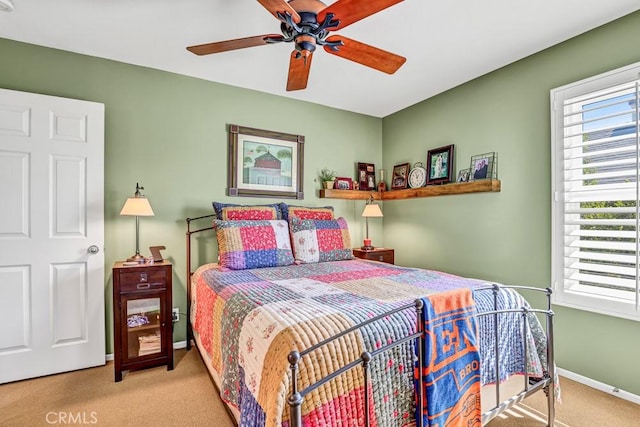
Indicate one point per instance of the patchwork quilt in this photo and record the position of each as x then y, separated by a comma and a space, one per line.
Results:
247, 322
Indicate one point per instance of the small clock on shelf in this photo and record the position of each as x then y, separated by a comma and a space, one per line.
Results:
417, 176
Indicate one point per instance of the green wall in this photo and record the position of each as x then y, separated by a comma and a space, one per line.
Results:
506, 236
169, 132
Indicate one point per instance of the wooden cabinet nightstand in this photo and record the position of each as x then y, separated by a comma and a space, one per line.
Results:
375, 254
143, 330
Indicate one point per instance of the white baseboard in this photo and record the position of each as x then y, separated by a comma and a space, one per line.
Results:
613, 391
176, 345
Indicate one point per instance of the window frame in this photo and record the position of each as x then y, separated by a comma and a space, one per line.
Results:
580, 299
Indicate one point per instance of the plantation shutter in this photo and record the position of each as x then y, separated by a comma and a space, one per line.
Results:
599, 196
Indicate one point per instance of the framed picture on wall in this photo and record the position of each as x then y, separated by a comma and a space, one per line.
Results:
440, 165
265, 163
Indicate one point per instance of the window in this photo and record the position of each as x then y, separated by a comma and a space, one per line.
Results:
595, 169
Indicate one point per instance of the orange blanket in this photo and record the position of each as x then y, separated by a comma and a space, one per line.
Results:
451, 363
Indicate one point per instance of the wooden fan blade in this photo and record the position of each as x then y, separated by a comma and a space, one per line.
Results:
299, 68
208, 48
275, 6
350, 11
364, 54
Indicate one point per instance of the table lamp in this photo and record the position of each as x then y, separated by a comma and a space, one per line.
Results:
371, 210
137, 206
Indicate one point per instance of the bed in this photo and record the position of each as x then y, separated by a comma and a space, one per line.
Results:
337, 341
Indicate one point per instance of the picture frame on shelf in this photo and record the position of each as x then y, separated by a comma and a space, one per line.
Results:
483, 166
366, 176
343, 183
399, 176
440, 165
263, 163
463, 175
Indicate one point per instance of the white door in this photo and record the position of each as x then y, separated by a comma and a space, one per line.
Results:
51, 235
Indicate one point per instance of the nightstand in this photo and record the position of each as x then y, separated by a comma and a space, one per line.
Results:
375, 254
143, 329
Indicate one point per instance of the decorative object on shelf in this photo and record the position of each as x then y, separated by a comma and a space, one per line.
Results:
137, 206
328, 178
371, 210
367, 176
343, 183
399, 177
463, 175
483, 166
156, 256
440, 165
417, 176
382, 186
265, 163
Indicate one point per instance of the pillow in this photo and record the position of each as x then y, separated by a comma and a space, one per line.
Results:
249, 213
218, 207
320, 240
253, 244
303, 212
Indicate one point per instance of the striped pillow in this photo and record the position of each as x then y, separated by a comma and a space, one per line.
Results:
253, 244
303, 212
218, 207
252, 213
320, 240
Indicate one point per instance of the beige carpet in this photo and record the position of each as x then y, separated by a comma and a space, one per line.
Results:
186, 396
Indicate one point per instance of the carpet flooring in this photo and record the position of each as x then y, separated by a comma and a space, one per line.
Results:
186, 396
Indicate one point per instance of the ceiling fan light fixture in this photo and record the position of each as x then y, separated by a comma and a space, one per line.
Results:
6, 6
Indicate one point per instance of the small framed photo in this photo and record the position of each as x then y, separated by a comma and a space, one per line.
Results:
343, 183
440, 165
399, 178
463, 175
366, 176
483, 166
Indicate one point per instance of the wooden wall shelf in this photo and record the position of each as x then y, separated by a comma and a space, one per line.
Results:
484, 186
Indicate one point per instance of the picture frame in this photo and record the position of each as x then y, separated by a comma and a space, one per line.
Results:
440, 165
263, 163
366, 176
463, 175
343, 183
483, 166
399, 176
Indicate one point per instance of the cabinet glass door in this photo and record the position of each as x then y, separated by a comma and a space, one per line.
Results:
144, 334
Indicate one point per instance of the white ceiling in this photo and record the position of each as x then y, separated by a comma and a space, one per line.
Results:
446, 43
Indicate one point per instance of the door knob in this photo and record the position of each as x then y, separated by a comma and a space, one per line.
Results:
93, 249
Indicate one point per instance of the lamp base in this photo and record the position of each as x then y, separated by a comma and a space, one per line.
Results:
367, 248
137, 258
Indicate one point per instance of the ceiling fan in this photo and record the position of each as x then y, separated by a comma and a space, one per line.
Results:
308, 23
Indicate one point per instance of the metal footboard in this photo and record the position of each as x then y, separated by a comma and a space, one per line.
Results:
531, 385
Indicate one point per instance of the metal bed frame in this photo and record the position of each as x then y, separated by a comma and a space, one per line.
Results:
530, 386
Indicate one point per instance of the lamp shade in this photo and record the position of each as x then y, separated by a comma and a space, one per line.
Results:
372, 210
137, 206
